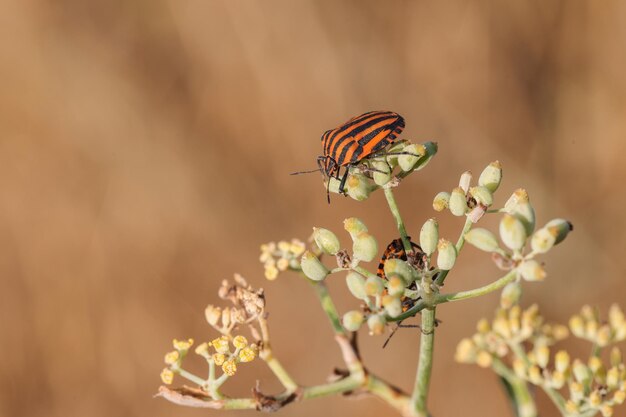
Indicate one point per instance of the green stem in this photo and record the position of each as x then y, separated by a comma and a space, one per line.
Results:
328, 306
417, 307
337, 387
425, 365
191, 377
391, 201
280, 372
520, 395
477, 292
459, 245
363, 271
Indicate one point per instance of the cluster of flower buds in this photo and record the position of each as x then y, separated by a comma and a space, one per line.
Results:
592, 386
376, 171
469, 201
587, 325
281, 256
517, 228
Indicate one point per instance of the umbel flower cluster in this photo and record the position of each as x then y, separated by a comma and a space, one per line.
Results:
406, 284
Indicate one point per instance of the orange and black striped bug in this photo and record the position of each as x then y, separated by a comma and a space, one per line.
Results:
350, 143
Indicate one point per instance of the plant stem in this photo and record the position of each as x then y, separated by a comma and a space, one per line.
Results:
425, 365
459, 245
267, 355
191, 377
417, 307
477, 292
520, 395
391, 201
328, 306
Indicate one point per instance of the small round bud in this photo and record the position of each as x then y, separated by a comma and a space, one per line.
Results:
240, 342
356, 285
465, 351
172, 357
247, 354
613, 378
484, 359
364, 247
395, 285
482, 195
542, 240
510, 295
606, 410
458, 202
220, 344
534, 375
212, 314
326, 240
429, 236
428, 150
465, 181
519, 206
354, 226
561, 361
620, 396
411, 154
577, 326
167, 376
376, 324
531, 270
393, 305
441, 201
399, 268
218, 358
581, 372
229, 367
559, 228
615, 356
358, 187
595, 399
312, 267
512, 232
352, 320
182, 345
491, 176
446, 255
374, 286
382, 175
483, 239
542, 356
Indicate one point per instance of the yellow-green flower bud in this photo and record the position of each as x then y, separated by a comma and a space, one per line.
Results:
212, 314
382, 173
482, 195
458, 202
519, 367
374, 286
559, 228
446, 255
441, 201
542, 240
596, 366
557, 380
240, 342
172, 357
408, 160
512, 232
399, 268
484, 359
595, 399
428, 150
616, 316
376, 324
581, 372
326, 240
395, 285
312, 267
534, 375
359, 187
220, 344
606, 410
356, 285
620, 396
393, 305
561, 361
510, 295
616, 356
333, 185
354, 226
613, 378
532, 270
491, 176
577, 326
465, 351
247, 354
465, 181
483, 239
167, 376
429, 236
352, 320
542, 356
229, 367
364, 247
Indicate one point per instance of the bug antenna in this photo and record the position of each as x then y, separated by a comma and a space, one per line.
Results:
305, 172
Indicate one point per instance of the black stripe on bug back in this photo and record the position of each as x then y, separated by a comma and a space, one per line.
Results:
349, 131
334, 133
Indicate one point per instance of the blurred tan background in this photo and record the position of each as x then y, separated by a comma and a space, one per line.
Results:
144, 156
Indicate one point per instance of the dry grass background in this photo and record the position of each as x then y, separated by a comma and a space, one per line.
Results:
144, 153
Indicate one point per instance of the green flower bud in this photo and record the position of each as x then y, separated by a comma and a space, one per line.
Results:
429, 236
542, 240
519, 206
465, 181
482, 195
334, 185
374, 286
512, 232
446, 255
359, 187
354, 226
382, 175
581, 372
559, 228
542, 356
356, 285
376, 324
483, 239
428, 149
364, 247
561, 361
395, 286
399, 268
491, 176
531, 270
441, 201
352, 320
407, 162
510, 295
392, 305
326, 240
312, 267
615, 356
458, 202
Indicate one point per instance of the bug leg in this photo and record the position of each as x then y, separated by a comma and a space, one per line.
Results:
343, 180
400, 153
